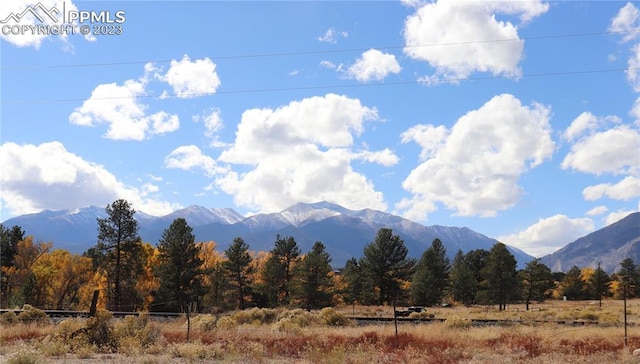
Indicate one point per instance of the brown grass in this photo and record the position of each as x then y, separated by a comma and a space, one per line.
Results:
298, 336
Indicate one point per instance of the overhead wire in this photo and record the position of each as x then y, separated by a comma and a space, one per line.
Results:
315, 87
329, 51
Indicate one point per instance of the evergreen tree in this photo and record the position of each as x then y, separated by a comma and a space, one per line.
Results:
573, 286
121, 246
598, 284
501, 276
278, 270
239, 270
312, 279
536, 281
431, 277
386, 264
179, 269
357, 286
463, 282
629, 274
9, 238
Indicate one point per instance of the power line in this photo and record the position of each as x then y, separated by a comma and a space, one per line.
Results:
302, 88
302, 53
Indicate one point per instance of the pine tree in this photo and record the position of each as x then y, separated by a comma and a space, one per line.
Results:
501, 276
463, 282
573, 285
278, 270
536, 280
121, 246
386, 264
9, 238
179, 269
598, 284
238, 269
357, 287
431, 277
312, 280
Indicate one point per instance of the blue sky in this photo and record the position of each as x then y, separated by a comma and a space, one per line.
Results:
519, 120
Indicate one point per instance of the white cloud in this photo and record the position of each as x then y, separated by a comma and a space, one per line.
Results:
611, 151
29, 38
119, 107
302, 152
627, 21
35, 177
587, 122
192, 79
332, 35
549, 234
625, 190
474, 167
458, 38
373, 66
598, 210
190, 157
212, 125
384, 157
430, 138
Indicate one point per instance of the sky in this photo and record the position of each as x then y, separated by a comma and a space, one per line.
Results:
517, 119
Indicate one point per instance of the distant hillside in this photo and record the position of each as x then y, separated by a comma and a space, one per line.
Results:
607, 246
344, 232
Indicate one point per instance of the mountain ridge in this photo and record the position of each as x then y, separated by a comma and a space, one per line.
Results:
344, 232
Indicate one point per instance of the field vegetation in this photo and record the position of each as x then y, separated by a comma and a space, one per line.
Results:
331, 336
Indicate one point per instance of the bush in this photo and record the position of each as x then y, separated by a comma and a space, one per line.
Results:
8, 318
226, 322
332, 317
24, 357
421, 315
99, 331
457, 322
136, 330
32, 315
299, 317
204, 322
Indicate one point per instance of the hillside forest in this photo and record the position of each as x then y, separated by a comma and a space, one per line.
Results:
179, 274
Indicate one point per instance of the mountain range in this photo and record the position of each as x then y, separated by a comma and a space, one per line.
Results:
344, 232
608, 247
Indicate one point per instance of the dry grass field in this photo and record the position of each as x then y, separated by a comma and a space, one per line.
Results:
327, 336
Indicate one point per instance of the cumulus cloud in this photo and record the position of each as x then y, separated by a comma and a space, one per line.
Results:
625, 190
212, 121
192, 78
549, 234
627, 22
614, 150
458, 38
302, 151
50, 13
332, 35
35, 177
119, 107
598, 210
474, 167
374, 65
189, 157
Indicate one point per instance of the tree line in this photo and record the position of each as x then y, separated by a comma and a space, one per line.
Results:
182, 275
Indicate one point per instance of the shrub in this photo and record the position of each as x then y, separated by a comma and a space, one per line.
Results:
332, 317
32, 315
299, 317
24, 357
136, 330
99, 331
8, 318
457, 322
226, 322
204, 322
421, 315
